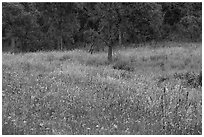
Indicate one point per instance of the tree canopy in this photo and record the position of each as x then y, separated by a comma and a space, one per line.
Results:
61, 26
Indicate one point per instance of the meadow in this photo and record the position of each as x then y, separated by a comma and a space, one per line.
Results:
144, 91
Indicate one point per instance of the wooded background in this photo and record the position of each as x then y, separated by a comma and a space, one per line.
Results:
29, 27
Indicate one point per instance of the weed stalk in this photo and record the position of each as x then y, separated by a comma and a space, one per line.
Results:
163, 103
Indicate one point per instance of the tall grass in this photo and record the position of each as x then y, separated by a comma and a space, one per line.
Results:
75, 92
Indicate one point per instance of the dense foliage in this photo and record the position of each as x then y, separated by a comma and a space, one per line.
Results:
60, 26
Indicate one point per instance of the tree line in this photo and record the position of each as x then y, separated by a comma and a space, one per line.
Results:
29, 27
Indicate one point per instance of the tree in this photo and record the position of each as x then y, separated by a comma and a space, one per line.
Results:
56, 26
190, 27
143, 21
11, 21
176, 16
109, 23
116, 19
62, 19
20, 23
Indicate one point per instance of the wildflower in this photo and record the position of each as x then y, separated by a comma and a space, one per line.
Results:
115, 126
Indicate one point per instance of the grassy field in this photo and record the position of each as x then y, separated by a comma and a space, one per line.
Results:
144, 91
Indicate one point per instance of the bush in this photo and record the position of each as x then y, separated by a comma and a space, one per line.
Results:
190, 27
96, 62
190, 79
65, 57
123, 65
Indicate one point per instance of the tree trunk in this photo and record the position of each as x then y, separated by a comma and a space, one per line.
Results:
61, 43
58, 43
91, 48
110, 44
110, 50
13, 44
120, 37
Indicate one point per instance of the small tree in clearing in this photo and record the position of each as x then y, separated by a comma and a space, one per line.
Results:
109, 19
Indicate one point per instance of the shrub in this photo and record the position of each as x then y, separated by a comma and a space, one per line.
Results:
190, 78
190, 27
96, 61
65, 57
123, 65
